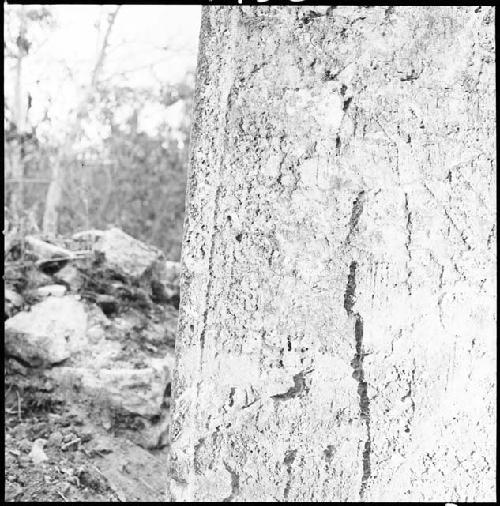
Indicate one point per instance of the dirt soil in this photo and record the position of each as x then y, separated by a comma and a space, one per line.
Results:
85, 460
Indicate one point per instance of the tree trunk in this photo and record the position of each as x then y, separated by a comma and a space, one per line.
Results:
50, 223
337, 326
17, 162
53, 199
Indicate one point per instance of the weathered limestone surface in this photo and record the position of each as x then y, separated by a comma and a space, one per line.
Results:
337, 328
49, 333
126, 255
138, 391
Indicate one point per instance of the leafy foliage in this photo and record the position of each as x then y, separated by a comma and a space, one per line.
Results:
119, 172
132, 179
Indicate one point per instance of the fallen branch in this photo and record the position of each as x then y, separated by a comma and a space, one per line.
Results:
74, 255
65, 446
44, 249
62, 495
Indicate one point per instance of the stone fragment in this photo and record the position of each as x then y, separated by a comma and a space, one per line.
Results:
125, 255
70, 276
165, 282
87, 236
49, 333
154, 435
44, 250
171, 277
12, 302
108, 303
13, 297
48, 290
136, 391
97, 324
35, 278
37, 455
55, 439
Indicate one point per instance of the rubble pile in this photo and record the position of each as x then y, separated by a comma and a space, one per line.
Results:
95, 315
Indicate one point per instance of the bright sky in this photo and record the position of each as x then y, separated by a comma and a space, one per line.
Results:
140, 34
151, 44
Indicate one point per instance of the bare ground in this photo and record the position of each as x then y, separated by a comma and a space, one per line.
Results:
88, 459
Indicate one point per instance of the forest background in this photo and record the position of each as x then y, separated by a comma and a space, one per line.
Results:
97, 103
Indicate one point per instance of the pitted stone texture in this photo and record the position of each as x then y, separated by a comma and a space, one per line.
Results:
337, 330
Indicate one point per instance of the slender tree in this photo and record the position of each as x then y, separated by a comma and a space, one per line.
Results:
19, 111
337, 325
54, 192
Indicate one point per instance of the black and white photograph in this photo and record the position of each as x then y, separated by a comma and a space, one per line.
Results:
250, 252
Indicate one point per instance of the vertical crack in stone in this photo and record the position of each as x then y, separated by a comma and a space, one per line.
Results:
288, 461
364, 401
409, 230
359, 373
490, 236
235, 484
210, 274
199, 444
357, 210
350, 291
409, 395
